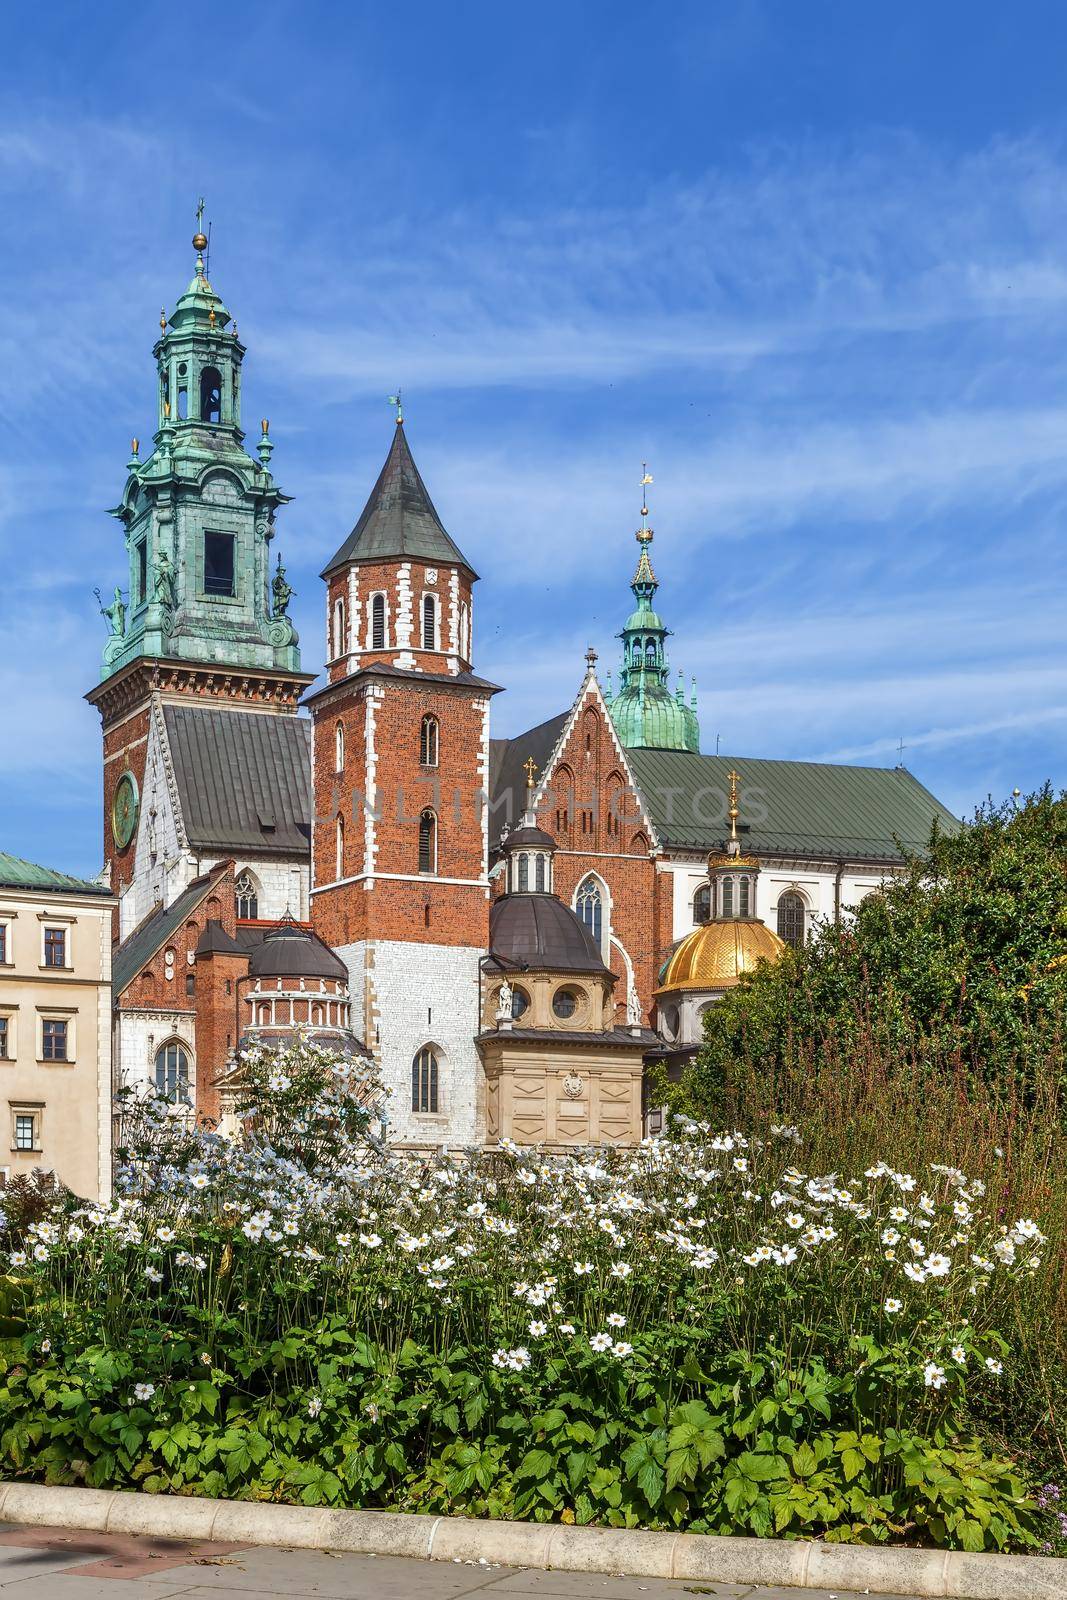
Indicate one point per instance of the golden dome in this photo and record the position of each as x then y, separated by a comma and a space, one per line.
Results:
715, 956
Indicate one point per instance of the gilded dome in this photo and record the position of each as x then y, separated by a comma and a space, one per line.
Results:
715, 956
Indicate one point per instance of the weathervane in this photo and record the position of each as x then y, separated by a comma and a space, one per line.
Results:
644, 532
397, 401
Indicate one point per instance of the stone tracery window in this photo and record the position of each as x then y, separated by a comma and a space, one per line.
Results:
429, 735
246, 896
172, 1072
428, 842
589, 904
425, 1083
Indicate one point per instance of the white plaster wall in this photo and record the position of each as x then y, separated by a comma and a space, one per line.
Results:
814, 881
284, 885
415, 995
139, 1036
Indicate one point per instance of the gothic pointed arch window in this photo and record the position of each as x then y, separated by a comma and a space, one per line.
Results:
377, 622
246, 896
171, 1074
589, 904
429, 735
428, 842
339, 641
791, 918
210, 395
339, 747
426, 1083
339, 848
429, 622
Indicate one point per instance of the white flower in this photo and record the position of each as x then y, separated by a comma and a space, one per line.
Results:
166, 1234
370, 1240
740, 1163
614, 1319
17, 1258
500, 1358
622, 1349
893, 1305
959, 1354
890, 1236
996, 1367
934, 1376
518, 1359
601, 1342
46, 1346
40, 1252
153, 1274
914, 1272
621, 1269
938, 1266
538, 1329
143, 1391
566, 1327
314, 1406
582, 1269
794, 1220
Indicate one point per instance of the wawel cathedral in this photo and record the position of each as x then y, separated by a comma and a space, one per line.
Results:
510, 928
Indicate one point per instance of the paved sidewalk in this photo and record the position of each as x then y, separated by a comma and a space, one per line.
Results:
66, 1564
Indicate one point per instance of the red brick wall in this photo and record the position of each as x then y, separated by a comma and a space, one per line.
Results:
218, 1022
125, 748
594, 813
384, 578
426, 910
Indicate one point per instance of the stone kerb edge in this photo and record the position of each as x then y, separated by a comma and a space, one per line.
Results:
938, 1574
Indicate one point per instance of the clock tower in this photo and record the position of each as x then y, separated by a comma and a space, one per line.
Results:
202, 617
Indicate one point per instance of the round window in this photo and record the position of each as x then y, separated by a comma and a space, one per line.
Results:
182, 370
520, 1003
564, 1004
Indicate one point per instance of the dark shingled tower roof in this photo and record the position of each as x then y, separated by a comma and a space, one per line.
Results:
399, 519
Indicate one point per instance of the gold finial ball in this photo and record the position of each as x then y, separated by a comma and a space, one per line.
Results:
199, 241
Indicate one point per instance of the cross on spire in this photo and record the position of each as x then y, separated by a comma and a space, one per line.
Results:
734, 810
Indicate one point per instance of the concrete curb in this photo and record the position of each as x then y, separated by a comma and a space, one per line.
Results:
947, 1575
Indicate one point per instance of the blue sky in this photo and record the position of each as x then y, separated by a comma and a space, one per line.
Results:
810, 261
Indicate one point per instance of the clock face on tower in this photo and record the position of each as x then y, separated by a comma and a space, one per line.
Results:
124, 810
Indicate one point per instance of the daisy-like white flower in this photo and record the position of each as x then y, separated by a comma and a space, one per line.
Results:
996, 1367
46, 1346
898, 1214
500, 1358
794, 1220
621, 1349
566, 1327
314, 1406
959, 1354
938, 1266
165, 1234
143, 1391
153, 1274
17, 1258
40, 1252
519, 1359
914, 1272
538, 1329
371, 1241
740, 1163
934, 1376
892, 1305
621, 1269
615, 1319
601, 1342
582, 1269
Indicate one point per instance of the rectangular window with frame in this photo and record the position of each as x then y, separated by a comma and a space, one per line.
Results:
3, 944
142, 573
219, 564
24, 1131
54, 1039
55, 947
5, 1038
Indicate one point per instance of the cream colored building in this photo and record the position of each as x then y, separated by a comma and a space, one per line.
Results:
55, 1027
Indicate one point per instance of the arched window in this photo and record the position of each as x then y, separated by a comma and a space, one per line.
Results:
636, 652
743, 888
465, 631
377, 622
246, 895
428, 737
727, 892
339, 641
429, 622
427, 842
339, 849
425, 1083
210, 395
589, 904
172, 1072
650, 654
540, 875
702, 904
339, 747
524, 872
791, 918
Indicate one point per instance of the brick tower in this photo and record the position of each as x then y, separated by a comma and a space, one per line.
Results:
400, 839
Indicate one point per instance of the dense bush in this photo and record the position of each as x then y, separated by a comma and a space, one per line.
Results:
698, 1334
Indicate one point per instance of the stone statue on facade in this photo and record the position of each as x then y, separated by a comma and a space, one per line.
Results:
503, 1002
633, 1007
283, 592
114, 614
164, 580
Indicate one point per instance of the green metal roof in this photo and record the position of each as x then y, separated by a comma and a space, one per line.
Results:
399, 519
15, 873
801, 808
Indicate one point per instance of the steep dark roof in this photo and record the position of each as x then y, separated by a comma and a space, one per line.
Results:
244, 778
788, 808
537, 931
215, 941
528, 839
289, 951
506, 777
385, 669
399, 518
138, 948
15, 873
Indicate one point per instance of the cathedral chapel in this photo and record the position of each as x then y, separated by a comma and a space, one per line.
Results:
509, 928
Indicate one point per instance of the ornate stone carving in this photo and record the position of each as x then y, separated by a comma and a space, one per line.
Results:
574, 1086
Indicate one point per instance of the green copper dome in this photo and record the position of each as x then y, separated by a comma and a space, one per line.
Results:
646, 713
